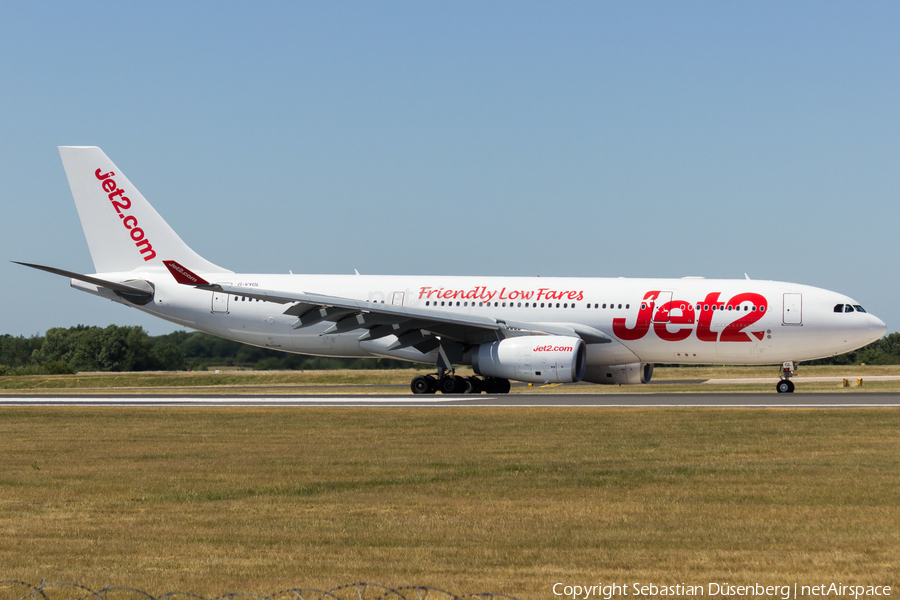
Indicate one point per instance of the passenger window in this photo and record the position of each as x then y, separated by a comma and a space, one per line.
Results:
542, 305
604, 305
557, 305
620, 306
520, 305
627, 306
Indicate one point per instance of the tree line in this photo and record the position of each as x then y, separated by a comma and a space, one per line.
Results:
130, 348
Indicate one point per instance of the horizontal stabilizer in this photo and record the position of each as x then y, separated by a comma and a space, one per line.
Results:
137, 291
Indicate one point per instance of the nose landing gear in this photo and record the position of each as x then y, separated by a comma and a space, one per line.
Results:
786, 386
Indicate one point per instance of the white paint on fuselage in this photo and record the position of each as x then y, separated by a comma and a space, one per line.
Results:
822, 331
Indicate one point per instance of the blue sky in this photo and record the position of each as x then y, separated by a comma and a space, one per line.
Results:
489, 138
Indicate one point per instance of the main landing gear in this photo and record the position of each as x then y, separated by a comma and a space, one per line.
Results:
786, 386
448, 383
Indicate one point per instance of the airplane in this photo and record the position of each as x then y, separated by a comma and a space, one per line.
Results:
527, 329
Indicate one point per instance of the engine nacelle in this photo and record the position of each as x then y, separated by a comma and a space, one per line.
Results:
630, 374
538, 359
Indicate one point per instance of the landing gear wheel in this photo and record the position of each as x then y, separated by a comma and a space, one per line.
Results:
474, 385
422, 384
452, 385
496, 385
785, 386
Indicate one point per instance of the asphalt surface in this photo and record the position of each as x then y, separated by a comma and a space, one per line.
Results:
763, 400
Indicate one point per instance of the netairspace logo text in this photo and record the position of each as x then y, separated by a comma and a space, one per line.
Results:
608, 591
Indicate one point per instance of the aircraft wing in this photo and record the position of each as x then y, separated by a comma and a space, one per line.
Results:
414, 327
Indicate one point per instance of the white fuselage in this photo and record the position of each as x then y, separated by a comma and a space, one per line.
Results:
686, 321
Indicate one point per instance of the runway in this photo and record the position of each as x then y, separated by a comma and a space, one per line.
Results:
763, 400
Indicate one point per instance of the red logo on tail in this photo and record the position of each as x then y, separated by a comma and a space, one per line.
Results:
129, 222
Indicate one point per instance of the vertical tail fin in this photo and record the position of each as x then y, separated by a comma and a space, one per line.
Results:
123, 230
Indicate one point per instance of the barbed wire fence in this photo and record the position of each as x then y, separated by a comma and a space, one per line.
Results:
11, 589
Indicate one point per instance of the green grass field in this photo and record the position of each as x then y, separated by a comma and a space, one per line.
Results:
466, 499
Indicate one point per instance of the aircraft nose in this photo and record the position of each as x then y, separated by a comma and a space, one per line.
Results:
877, 328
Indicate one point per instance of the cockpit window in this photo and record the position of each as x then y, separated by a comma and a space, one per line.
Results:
848, 308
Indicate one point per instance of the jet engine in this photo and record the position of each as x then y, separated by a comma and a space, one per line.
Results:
538, 359
629, 374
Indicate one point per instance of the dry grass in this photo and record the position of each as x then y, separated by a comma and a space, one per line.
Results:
506, 500
347, 381
198, 379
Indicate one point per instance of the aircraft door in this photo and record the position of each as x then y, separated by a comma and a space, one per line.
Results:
397, 299
793, 309
220, 301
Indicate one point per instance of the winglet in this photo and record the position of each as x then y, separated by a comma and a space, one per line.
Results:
184, 275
